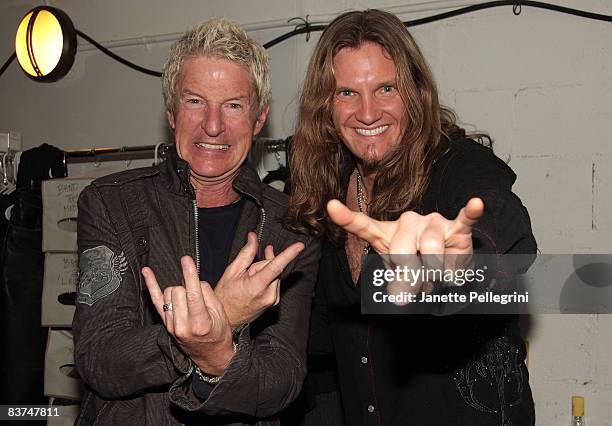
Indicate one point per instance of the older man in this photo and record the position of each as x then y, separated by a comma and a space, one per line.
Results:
371, 122
224, 338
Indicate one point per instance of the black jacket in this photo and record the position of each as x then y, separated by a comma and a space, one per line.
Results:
426, 370
135, 373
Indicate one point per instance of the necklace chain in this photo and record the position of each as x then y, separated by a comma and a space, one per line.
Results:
361, 200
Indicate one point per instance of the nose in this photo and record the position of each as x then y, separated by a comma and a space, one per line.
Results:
368, 110
212, 121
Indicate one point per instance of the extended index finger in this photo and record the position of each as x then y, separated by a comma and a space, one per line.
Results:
467, 217
276, 266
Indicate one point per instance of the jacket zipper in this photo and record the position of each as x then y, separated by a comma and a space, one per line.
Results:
261, 225
197, 236
260, 229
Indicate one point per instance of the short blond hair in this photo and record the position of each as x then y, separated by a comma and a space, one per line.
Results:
218, 38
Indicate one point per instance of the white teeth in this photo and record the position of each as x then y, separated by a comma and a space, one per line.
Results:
371, 132
220, 147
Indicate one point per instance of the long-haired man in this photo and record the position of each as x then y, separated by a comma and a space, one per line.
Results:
378, 165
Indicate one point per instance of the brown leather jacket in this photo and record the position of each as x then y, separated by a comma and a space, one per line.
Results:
134, 372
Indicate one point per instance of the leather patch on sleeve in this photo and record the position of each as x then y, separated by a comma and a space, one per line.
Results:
100, 274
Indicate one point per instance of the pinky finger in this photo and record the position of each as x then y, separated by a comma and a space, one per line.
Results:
154, 290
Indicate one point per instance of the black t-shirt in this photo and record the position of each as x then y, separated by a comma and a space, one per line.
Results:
216, 229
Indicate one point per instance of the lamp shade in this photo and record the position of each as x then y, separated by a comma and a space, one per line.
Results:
45, 44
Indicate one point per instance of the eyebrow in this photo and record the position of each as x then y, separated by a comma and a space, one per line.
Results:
188, 92
380, 84
238, 98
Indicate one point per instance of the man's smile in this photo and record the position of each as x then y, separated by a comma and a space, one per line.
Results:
371, 132
218, 147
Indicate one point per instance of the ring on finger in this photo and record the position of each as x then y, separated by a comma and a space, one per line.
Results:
167, 307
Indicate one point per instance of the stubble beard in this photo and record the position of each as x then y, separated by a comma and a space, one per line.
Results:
371, 161
370, 166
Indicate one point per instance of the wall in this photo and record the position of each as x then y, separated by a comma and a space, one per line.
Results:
539, 83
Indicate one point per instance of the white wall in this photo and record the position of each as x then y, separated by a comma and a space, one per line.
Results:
539, 83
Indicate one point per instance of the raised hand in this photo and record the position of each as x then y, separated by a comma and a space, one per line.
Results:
196, 318
440, 243
248, 288
412, 233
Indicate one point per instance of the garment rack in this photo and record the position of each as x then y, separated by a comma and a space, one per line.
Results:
273, 144
115, 154
143, 152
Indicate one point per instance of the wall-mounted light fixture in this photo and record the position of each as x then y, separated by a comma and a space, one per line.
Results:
45, 44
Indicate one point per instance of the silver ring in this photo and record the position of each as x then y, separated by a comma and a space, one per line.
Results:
167, 307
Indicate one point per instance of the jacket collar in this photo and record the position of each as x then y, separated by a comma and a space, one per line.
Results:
247, 183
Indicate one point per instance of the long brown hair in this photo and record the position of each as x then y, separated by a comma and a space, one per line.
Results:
317, 155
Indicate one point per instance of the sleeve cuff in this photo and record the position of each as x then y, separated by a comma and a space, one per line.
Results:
201, 389
190, 395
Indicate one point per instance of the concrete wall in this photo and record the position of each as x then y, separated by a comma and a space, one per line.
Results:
539, 83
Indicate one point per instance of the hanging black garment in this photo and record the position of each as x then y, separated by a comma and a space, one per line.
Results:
38, 164
22, 338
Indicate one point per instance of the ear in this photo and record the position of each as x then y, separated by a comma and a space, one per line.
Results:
261, 119
170, 118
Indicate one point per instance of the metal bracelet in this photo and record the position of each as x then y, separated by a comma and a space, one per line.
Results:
211, 380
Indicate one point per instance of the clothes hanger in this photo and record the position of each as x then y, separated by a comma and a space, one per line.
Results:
155, 155
282, 173
8, 181
3, 178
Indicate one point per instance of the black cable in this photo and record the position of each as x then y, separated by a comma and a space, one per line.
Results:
567, 10
117, 57
8, 62
308, 28
516, 8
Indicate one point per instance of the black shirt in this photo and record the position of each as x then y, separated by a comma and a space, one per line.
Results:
216, 230
425, 370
